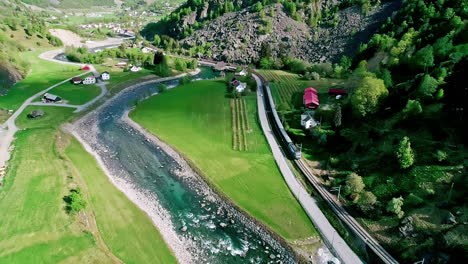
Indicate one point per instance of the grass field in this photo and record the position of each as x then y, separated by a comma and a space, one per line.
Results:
76, 94
196, 120
43, 74
288, 89
34, 225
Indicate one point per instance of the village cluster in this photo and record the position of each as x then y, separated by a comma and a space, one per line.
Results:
88, 80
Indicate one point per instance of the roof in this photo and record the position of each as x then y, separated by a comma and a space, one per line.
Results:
311, 97
86, 67
76, 79
51, 96
337, 91
105, 72
90, 76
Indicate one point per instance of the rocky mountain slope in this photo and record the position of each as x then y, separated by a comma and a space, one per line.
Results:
238, 36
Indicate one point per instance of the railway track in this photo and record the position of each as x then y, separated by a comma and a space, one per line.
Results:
345, 216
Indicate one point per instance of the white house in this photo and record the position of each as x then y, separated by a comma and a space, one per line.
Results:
135, 68
89, 80
241, 87
105, 76
241, 73
308, 121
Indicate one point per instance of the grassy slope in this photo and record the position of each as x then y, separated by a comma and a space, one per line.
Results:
76, 94
127, 230
43, 74
196, 119
35, 227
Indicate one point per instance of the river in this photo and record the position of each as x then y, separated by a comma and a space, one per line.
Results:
202, 223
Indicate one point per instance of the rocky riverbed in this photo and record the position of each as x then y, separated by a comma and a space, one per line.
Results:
196, 223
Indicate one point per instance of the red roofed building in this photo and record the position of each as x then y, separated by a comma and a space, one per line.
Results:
311, 99
337, 92
86, 68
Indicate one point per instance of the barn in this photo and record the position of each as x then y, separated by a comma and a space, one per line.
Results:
311, 99
337, 92
76, 80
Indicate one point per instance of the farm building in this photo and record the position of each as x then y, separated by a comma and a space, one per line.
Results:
239, 86
76, 80
308, 121
311, 99
35, 114
105, 76
89, 80
242, 73
50, 98
86, 68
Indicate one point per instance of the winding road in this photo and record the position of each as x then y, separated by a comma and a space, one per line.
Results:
9, 128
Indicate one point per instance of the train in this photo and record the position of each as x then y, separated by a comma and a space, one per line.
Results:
292, 151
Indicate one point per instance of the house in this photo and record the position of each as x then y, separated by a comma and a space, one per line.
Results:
239, 86
35, 114
89, 80
311, 99
241, 73
86, 68
135, 68
50, 98
308, 121
337, 92
76, 80
105, 76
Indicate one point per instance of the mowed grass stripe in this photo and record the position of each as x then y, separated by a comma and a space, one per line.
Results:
251, 178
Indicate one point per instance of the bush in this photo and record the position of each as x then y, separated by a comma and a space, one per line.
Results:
161, 88
75, 201
394, 206
354, 183
186, 79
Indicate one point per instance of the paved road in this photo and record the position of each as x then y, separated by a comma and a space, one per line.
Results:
331, 238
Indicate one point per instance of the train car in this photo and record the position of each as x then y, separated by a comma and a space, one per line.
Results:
277, 125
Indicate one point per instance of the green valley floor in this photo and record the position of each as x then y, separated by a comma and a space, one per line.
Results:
196, 119
35, 227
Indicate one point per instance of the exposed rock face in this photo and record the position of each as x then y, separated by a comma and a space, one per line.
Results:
238, 36
9, 75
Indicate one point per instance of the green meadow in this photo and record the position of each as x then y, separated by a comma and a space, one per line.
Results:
196, 119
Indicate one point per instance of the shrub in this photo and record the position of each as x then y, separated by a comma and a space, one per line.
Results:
75, 201
354, 183
367, 201
186, 79
162, 88
394, 206
441, 155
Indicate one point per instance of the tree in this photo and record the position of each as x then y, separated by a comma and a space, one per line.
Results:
427, 86
405, 153
394, 206
267, 63
345, 62
75, 201
354, 183
367, 96
424, 57
367, 201
156, 40
413, 107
